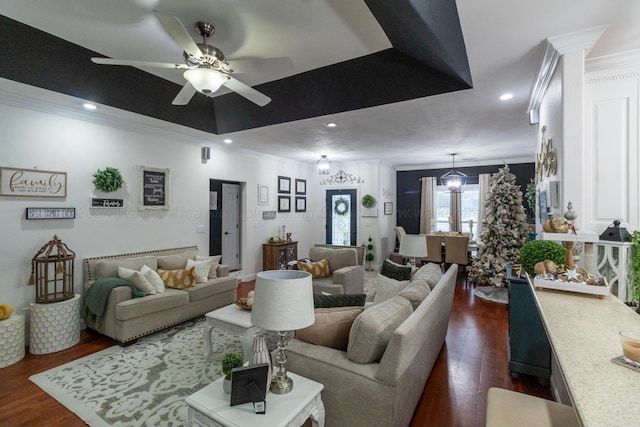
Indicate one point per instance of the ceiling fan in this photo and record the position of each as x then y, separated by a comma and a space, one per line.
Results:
206, 66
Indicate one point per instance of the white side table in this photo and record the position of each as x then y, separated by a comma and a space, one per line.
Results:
54, 326
231, 318
12, 339
211, 407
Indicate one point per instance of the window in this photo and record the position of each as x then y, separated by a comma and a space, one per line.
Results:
470, 201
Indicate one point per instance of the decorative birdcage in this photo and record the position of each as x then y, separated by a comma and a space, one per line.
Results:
52, 272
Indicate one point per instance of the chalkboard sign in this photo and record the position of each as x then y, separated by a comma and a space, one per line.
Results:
154, 193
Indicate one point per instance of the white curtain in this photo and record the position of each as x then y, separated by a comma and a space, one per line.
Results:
427, 204
484, 181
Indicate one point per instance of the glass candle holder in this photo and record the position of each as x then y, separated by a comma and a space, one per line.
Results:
630, 341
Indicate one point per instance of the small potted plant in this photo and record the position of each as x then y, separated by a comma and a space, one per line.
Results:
231, 360
536, 251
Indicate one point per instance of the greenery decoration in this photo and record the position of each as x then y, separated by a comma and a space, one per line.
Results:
231, 360
341, 207
635, 267
368, 201
369, 256
108, 180
537, 251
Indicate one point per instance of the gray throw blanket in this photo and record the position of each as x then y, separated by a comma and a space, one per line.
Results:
97, 295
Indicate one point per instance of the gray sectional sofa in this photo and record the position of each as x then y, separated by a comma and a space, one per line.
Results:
386, 391
125, 318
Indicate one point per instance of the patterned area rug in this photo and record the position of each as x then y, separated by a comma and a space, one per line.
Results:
492, 293
370, 280
141, 385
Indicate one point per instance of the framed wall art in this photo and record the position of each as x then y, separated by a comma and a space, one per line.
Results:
263, 195
284, 184
388, 208
32, 183
284, 203
301, 204
50, 213
301, 186
154, 188
542, 200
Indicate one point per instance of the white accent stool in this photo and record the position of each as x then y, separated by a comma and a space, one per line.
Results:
12, 339
54, 326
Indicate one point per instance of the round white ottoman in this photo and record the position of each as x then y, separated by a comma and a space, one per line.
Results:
54, 326
12, 339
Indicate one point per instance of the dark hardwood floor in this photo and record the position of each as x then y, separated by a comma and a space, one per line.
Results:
472, 360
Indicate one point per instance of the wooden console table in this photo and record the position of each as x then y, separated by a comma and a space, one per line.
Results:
276, 256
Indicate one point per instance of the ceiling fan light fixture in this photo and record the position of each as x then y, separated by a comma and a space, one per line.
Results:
205, 80
324, 165
454, 181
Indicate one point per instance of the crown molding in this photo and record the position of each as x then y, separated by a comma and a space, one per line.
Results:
617, 66
553, 49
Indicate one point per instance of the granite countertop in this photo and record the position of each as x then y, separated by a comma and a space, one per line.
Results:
583, 333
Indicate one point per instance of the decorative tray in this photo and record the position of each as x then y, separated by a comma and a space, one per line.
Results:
580, 287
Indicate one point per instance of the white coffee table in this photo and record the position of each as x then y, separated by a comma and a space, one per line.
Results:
231, 318
211, 407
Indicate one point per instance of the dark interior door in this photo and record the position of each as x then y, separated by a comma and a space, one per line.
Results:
342, 212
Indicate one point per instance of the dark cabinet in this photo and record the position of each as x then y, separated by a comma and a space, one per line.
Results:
276, 256
528, 347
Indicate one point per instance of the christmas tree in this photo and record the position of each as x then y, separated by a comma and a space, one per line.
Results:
504, 231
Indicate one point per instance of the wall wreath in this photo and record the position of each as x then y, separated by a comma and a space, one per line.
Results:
341, 207
368, 201
109, 179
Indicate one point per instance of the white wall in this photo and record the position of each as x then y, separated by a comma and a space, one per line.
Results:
53, 142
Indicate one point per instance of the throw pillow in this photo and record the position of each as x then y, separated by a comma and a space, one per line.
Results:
373, 328
338, 300
137, 279
215, 260
153, 277
178, 279
430, 273
200, 268
416, 292
173, 262
395, 271
387, 288
317, 269
331, 327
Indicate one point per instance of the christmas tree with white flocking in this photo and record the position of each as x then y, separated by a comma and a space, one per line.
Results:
504, 231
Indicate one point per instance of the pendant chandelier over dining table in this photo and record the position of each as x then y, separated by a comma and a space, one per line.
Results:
453, 181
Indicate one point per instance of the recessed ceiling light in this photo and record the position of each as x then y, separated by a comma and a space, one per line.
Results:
330, 125
89, 106
228, 141
506, 96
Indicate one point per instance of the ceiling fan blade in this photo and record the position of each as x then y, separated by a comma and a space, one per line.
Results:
279, 65
176, 30
184, 96
133, 63
246, 91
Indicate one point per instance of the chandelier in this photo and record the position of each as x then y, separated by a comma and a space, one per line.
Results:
324, 165
453, 181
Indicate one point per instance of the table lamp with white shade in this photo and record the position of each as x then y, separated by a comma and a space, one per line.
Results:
413, 246
282, 301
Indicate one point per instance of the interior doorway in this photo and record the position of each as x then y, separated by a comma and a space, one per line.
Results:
224, 222
342, 213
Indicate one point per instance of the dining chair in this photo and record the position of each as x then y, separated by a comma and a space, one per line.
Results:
456, 251
399, 233
434, 249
